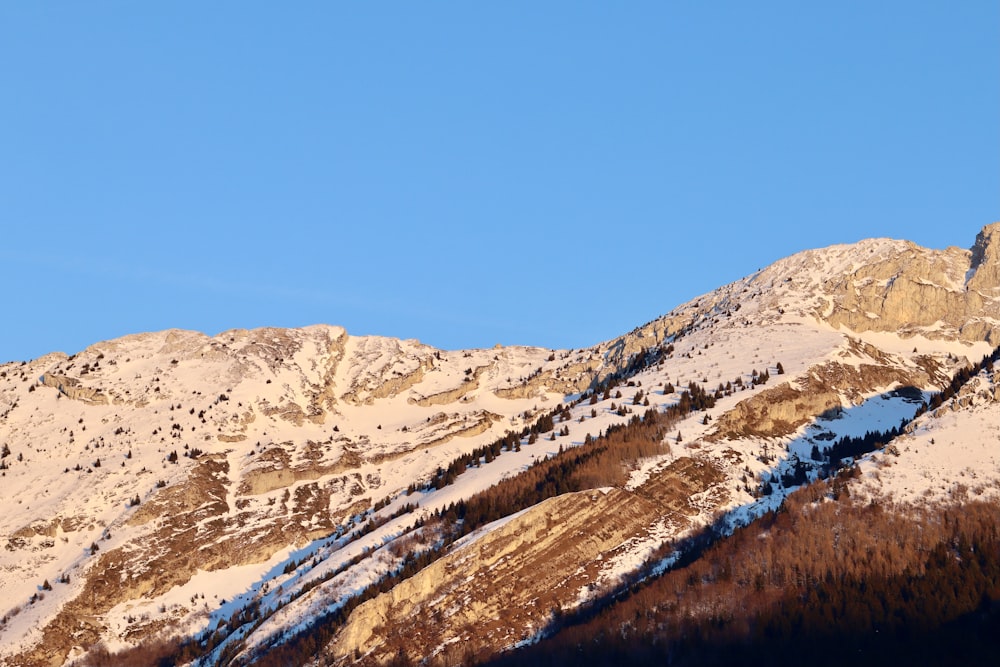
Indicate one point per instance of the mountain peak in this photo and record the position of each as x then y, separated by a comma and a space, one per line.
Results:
984, 267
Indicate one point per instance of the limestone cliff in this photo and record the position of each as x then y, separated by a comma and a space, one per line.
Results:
512, 582
946, 293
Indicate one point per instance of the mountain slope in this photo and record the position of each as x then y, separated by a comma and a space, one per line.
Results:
896, 560
280, 473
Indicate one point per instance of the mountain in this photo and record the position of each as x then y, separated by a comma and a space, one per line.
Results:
283, 496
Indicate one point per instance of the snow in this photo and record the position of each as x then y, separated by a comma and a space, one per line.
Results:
746, 326
894, 344
627, 559
697, 358
951, 456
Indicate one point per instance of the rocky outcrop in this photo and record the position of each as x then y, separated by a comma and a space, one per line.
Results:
936, 293
780, 410
777, 411
385, 367
481, 422
512, 582
276, 471
547, 382
984, 263
290, 412
469, 383
397, 385
516, 577
323, 392
71, 388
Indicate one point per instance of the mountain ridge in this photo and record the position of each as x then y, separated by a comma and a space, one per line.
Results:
276, 442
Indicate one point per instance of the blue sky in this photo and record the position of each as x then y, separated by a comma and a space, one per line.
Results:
544, 173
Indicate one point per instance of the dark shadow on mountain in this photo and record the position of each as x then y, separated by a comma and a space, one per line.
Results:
825, 453
970, 640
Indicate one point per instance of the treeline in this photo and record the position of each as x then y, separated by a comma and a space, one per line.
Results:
854, 446
861, 584
487, 453
694, 398
598, 462
510, 442
824, 583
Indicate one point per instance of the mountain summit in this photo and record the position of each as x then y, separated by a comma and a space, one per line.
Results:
304, 496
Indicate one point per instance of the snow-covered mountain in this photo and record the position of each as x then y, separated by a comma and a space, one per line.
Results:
233, 494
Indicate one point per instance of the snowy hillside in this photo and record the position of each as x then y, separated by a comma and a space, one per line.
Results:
225, 492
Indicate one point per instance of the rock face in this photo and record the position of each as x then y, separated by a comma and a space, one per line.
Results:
515, 580
71, 388
828, 387
913, 290
985, 261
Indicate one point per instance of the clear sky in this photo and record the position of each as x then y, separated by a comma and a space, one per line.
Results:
468, 173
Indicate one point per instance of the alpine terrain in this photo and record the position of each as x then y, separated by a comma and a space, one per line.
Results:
811, 452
